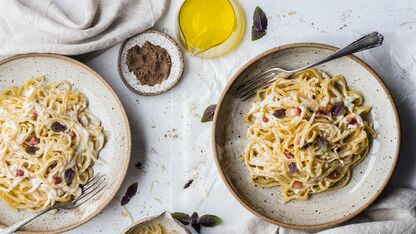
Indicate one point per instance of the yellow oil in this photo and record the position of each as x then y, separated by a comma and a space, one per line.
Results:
205, 24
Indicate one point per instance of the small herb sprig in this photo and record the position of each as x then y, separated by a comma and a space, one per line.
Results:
258, 30
208, 113
195, 221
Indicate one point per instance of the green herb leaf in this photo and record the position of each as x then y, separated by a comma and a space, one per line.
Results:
209, 220
208, 113
185, 219
258, 30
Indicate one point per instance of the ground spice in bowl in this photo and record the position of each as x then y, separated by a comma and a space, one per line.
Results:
151, 64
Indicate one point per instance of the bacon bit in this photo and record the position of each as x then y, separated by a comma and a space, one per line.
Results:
34, 141
294, 111
352, 121
19, 172
297, 185
34, 115
333, 175
265, 119
56, 180
72, 134
288, 154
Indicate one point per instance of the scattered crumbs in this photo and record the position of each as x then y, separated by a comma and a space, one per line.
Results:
343, 26
154, 150
188, 184
153, 183
153, 126
290, 13
163, 167
138, 165
126, 213
171, 134
158, 200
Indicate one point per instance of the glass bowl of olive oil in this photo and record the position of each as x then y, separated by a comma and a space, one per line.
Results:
210, 28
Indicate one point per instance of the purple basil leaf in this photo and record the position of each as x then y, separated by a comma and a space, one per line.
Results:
209, 220
258, 30
69, 175
292, 168
185, 219
188, 184
197, 227
125, 200
31, 149
338, 109
58, 127
322, 143
255, 35
194, 218
279, 113
208, 113
131, 191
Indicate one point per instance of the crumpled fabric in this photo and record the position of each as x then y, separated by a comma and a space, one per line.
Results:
393, 213
85, 26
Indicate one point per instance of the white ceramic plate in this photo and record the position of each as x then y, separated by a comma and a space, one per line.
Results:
324, 209
113, 159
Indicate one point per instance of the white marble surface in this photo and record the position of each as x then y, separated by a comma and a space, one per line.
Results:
174, 147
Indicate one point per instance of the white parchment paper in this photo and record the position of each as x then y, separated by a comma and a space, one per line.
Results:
174, 146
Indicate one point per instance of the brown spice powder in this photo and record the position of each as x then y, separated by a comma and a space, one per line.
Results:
150, 63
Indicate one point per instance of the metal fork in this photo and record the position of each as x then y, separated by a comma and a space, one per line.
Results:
250, 87
89, 190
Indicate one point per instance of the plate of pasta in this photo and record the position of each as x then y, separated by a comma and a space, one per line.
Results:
312, 150
55, 135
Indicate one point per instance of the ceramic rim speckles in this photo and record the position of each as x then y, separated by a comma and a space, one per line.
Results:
325, 209
16, 70
159, 39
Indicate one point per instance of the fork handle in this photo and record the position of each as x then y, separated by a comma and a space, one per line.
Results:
366, 42
22, 223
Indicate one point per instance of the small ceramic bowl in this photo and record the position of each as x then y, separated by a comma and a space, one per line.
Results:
324, 209
165, 220
159, 39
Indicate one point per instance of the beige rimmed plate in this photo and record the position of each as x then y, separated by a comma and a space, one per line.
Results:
325, 209
113, 159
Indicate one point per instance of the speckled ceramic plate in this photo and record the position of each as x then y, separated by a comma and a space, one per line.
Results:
324, 209
113, 159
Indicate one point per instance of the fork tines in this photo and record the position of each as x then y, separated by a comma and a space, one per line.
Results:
90, 189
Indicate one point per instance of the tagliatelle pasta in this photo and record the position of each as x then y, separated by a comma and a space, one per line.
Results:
306, 133
48, 144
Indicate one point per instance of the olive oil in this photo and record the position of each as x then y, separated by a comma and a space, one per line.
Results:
207, 24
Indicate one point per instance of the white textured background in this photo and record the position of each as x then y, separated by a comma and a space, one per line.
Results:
174, 147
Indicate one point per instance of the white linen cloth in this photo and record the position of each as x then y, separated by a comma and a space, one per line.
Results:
393, 213
86, 25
